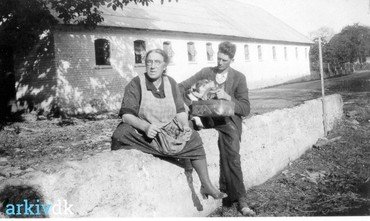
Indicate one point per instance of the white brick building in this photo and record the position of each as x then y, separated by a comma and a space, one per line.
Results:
82, 70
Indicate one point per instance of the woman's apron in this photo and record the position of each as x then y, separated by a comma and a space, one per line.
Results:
162, 112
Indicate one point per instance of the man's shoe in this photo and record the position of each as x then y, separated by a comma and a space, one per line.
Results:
244, 208
246, 211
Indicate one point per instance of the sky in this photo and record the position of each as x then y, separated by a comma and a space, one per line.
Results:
309, 15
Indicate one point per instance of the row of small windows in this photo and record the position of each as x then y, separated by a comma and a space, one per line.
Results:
273, 48
102, 51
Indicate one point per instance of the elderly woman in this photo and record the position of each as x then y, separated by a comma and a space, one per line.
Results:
155, 121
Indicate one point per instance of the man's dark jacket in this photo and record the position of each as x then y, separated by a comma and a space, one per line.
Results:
235, 86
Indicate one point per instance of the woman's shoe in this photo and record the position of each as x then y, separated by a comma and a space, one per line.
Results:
218, 195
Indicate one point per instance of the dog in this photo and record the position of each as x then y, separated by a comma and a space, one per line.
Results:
202, 90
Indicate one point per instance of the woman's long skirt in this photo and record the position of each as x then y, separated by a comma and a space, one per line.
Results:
127, 137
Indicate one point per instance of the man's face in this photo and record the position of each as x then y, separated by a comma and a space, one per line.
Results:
223, 61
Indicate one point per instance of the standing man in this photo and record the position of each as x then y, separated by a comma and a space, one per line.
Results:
233, 87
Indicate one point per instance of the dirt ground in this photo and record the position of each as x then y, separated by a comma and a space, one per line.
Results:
330, 179
33, 144
333, 177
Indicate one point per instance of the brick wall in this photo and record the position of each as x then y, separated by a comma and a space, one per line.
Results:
35, 77
84, 87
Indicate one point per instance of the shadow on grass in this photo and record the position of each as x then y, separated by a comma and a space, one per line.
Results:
15, 202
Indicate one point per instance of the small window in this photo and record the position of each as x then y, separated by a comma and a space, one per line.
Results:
259, 48
191, 51
296, 52
167, 47
102, 52
210, 51
140, 51
246, 52
285, 53
273, 52
305, 53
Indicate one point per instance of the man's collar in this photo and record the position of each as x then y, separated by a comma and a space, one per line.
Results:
223, 73
227, 70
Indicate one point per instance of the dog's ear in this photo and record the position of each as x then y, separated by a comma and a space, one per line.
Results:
192, 88
198, 84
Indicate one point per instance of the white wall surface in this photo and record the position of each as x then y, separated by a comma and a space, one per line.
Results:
131, 183
259, 73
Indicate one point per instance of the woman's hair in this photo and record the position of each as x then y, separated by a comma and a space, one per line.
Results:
166, 59
227, 48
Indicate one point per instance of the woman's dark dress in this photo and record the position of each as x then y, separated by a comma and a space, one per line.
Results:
127, 137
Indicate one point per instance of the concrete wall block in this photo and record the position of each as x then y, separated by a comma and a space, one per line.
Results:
334, 109
119, 183
131, 183
270, 141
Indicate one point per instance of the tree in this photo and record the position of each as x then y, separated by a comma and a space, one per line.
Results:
22, 22
351, 44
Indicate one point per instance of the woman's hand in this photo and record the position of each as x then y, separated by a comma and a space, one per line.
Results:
187, 133
151, 130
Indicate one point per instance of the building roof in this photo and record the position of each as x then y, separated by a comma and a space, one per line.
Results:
216, 17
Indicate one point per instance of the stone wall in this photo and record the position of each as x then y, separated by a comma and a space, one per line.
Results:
131, 183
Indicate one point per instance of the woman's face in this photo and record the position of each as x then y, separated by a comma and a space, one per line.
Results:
155, 65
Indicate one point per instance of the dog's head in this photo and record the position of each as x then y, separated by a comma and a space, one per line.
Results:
203, 90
